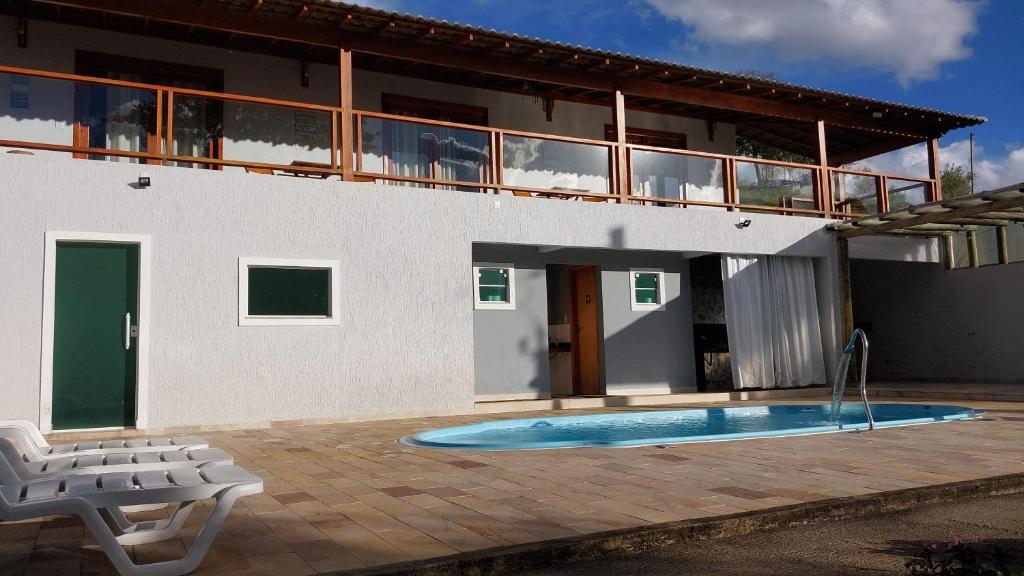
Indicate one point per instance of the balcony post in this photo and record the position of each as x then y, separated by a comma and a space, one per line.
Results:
935, 169
825, 192
845, 290
345, 120
621, 176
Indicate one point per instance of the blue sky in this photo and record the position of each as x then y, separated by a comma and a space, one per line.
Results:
955, 55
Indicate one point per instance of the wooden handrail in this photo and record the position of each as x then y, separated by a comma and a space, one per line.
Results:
855, 172
618, 172
157, 87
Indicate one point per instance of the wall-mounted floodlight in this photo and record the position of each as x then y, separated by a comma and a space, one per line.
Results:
744, 223
144, 180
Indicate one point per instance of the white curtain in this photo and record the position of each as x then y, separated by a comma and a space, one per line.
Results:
125, 129
771, 313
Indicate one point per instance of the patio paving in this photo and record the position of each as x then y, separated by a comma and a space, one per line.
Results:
346, 496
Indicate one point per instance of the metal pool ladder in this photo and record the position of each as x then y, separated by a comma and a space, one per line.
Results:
839, 387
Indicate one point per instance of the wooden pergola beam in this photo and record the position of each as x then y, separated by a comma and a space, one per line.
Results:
308, 32
861, 229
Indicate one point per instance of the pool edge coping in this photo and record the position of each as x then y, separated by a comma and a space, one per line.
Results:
635, 540
416, 440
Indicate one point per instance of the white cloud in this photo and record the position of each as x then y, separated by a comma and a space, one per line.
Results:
393, 5
909, 38
989, 172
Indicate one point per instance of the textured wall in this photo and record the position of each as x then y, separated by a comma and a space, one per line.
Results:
640, 349
511, 346
648, 349
926, 323
392, 354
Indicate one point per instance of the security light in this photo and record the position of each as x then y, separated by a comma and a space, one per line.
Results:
744, 223
144, 180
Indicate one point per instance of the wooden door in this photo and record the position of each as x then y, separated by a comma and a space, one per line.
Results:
586, 343
94, 335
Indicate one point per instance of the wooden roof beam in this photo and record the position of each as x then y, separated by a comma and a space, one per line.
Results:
206, 17
873, 149
805, 148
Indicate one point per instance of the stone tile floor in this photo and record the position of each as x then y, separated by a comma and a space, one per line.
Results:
345, 496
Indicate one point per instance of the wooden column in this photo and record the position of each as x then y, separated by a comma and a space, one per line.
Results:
935, 168
824, 178
1003, 244
845, 291
345, 102
621, 161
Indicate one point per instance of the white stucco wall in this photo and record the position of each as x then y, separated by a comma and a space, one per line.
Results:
392, 355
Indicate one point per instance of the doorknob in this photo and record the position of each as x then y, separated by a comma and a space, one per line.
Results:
127, 330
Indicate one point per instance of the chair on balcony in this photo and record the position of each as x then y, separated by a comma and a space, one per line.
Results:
256, 170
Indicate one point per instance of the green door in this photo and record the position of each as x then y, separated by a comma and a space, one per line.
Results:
94, 343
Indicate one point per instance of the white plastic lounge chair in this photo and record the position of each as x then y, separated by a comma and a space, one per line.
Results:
97, 499
32, 435
26, 467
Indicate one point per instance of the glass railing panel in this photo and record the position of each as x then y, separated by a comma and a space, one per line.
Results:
555, 164
905, 193
50, 111
677, 176
1015, 242
961, 250
418, 150
855, 193
776, 186
207, 127
987, 240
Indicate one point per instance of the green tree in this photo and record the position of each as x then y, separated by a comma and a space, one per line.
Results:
752, 148
955, 181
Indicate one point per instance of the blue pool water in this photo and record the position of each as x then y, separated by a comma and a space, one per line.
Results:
677, 426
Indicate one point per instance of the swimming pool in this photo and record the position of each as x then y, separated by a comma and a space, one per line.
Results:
677, 426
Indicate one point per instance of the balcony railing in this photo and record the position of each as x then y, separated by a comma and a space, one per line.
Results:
128, 121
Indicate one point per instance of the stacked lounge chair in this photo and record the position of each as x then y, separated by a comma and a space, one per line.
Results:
98, 484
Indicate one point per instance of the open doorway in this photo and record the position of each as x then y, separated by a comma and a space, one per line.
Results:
710, 336
574, 331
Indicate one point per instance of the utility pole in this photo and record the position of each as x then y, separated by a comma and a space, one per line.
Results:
972, 162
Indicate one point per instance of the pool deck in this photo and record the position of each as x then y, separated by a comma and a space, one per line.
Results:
347, 496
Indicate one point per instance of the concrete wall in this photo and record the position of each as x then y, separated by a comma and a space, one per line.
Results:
510, 347
642, 351
926, 323
393, 355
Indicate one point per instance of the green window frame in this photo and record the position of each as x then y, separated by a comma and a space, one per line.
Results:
494, 286
646, 289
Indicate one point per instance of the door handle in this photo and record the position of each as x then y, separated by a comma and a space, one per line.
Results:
127, 330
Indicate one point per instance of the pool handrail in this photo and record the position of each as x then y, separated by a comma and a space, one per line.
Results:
840, 384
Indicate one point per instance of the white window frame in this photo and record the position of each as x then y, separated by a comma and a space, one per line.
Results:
244, 319
643, 306
479, 304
